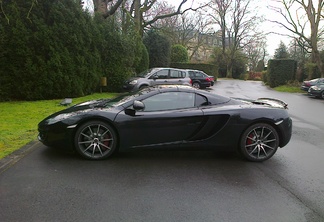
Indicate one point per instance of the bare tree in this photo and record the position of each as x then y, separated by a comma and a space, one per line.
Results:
241, 25
307, 15
194, 31
255, 52
222, 10
138, 10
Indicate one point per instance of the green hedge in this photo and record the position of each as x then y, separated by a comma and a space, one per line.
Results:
209, 69
312, 71
280, 71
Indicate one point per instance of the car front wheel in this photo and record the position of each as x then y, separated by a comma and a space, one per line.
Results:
259, 142
95, 140
322, 95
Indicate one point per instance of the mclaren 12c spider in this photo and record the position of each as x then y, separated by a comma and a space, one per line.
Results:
170, 116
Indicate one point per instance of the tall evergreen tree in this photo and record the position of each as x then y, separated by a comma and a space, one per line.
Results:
159, 49
281, 52
49, 52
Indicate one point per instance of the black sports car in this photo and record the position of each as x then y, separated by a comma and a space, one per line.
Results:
170, 116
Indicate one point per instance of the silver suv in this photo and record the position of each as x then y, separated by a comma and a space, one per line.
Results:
158, 76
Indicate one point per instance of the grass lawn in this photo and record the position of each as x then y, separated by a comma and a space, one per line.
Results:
290, 89
18, 120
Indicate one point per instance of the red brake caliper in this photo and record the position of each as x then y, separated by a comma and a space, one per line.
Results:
249, 141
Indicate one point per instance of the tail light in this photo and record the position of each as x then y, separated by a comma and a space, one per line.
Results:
209, 79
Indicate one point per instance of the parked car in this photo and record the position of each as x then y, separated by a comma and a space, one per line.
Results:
170, 116
317, 90
157, 76
200, 80
308, 83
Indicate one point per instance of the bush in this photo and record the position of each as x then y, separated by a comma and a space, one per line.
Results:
255, 76
265, 77
159, 49
280, 71
47, 55
179, 54
312, 71
117, 55
143, 63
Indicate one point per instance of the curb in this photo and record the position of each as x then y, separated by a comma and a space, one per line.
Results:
13, 158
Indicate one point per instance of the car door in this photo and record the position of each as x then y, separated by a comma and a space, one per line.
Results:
176, 76
160, 77
168, 118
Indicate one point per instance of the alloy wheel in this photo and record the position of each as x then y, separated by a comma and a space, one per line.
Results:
259, 142
95, 140
196, 85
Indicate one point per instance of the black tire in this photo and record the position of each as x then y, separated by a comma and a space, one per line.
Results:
259, 142
196, 85
322, 95
143, 87
95, 140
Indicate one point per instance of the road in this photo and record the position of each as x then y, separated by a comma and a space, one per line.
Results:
44, 184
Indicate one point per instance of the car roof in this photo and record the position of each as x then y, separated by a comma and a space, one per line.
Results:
171, 87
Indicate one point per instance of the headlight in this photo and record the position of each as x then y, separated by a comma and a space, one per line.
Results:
133, 82
316, 88
59, 117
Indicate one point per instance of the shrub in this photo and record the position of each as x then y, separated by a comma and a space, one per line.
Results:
159, 49
312, 71
255, 76
143, 63
179, 54
47, 55
280, 71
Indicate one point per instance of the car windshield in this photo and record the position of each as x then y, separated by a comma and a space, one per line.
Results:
124, 98
144, 73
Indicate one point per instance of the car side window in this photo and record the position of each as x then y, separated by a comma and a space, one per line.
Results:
201, 101
191, 74
199, 74
169, 101
176, 74
162, 74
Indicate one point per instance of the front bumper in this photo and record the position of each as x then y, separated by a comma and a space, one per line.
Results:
312, 92
56, 135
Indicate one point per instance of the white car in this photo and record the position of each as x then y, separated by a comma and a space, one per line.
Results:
158, 76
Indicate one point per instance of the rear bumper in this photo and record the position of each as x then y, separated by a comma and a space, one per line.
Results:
286, 132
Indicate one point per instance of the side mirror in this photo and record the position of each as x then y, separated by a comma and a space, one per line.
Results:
155, 77
138, 105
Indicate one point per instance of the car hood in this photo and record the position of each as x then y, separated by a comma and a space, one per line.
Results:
83, 107
133, 78
270, 102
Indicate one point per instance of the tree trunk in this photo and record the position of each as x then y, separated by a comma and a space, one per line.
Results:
100, 6
137, 17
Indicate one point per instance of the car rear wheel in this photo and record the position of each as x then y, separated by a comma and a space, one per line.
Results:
196, 85
259, 142
95, 140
